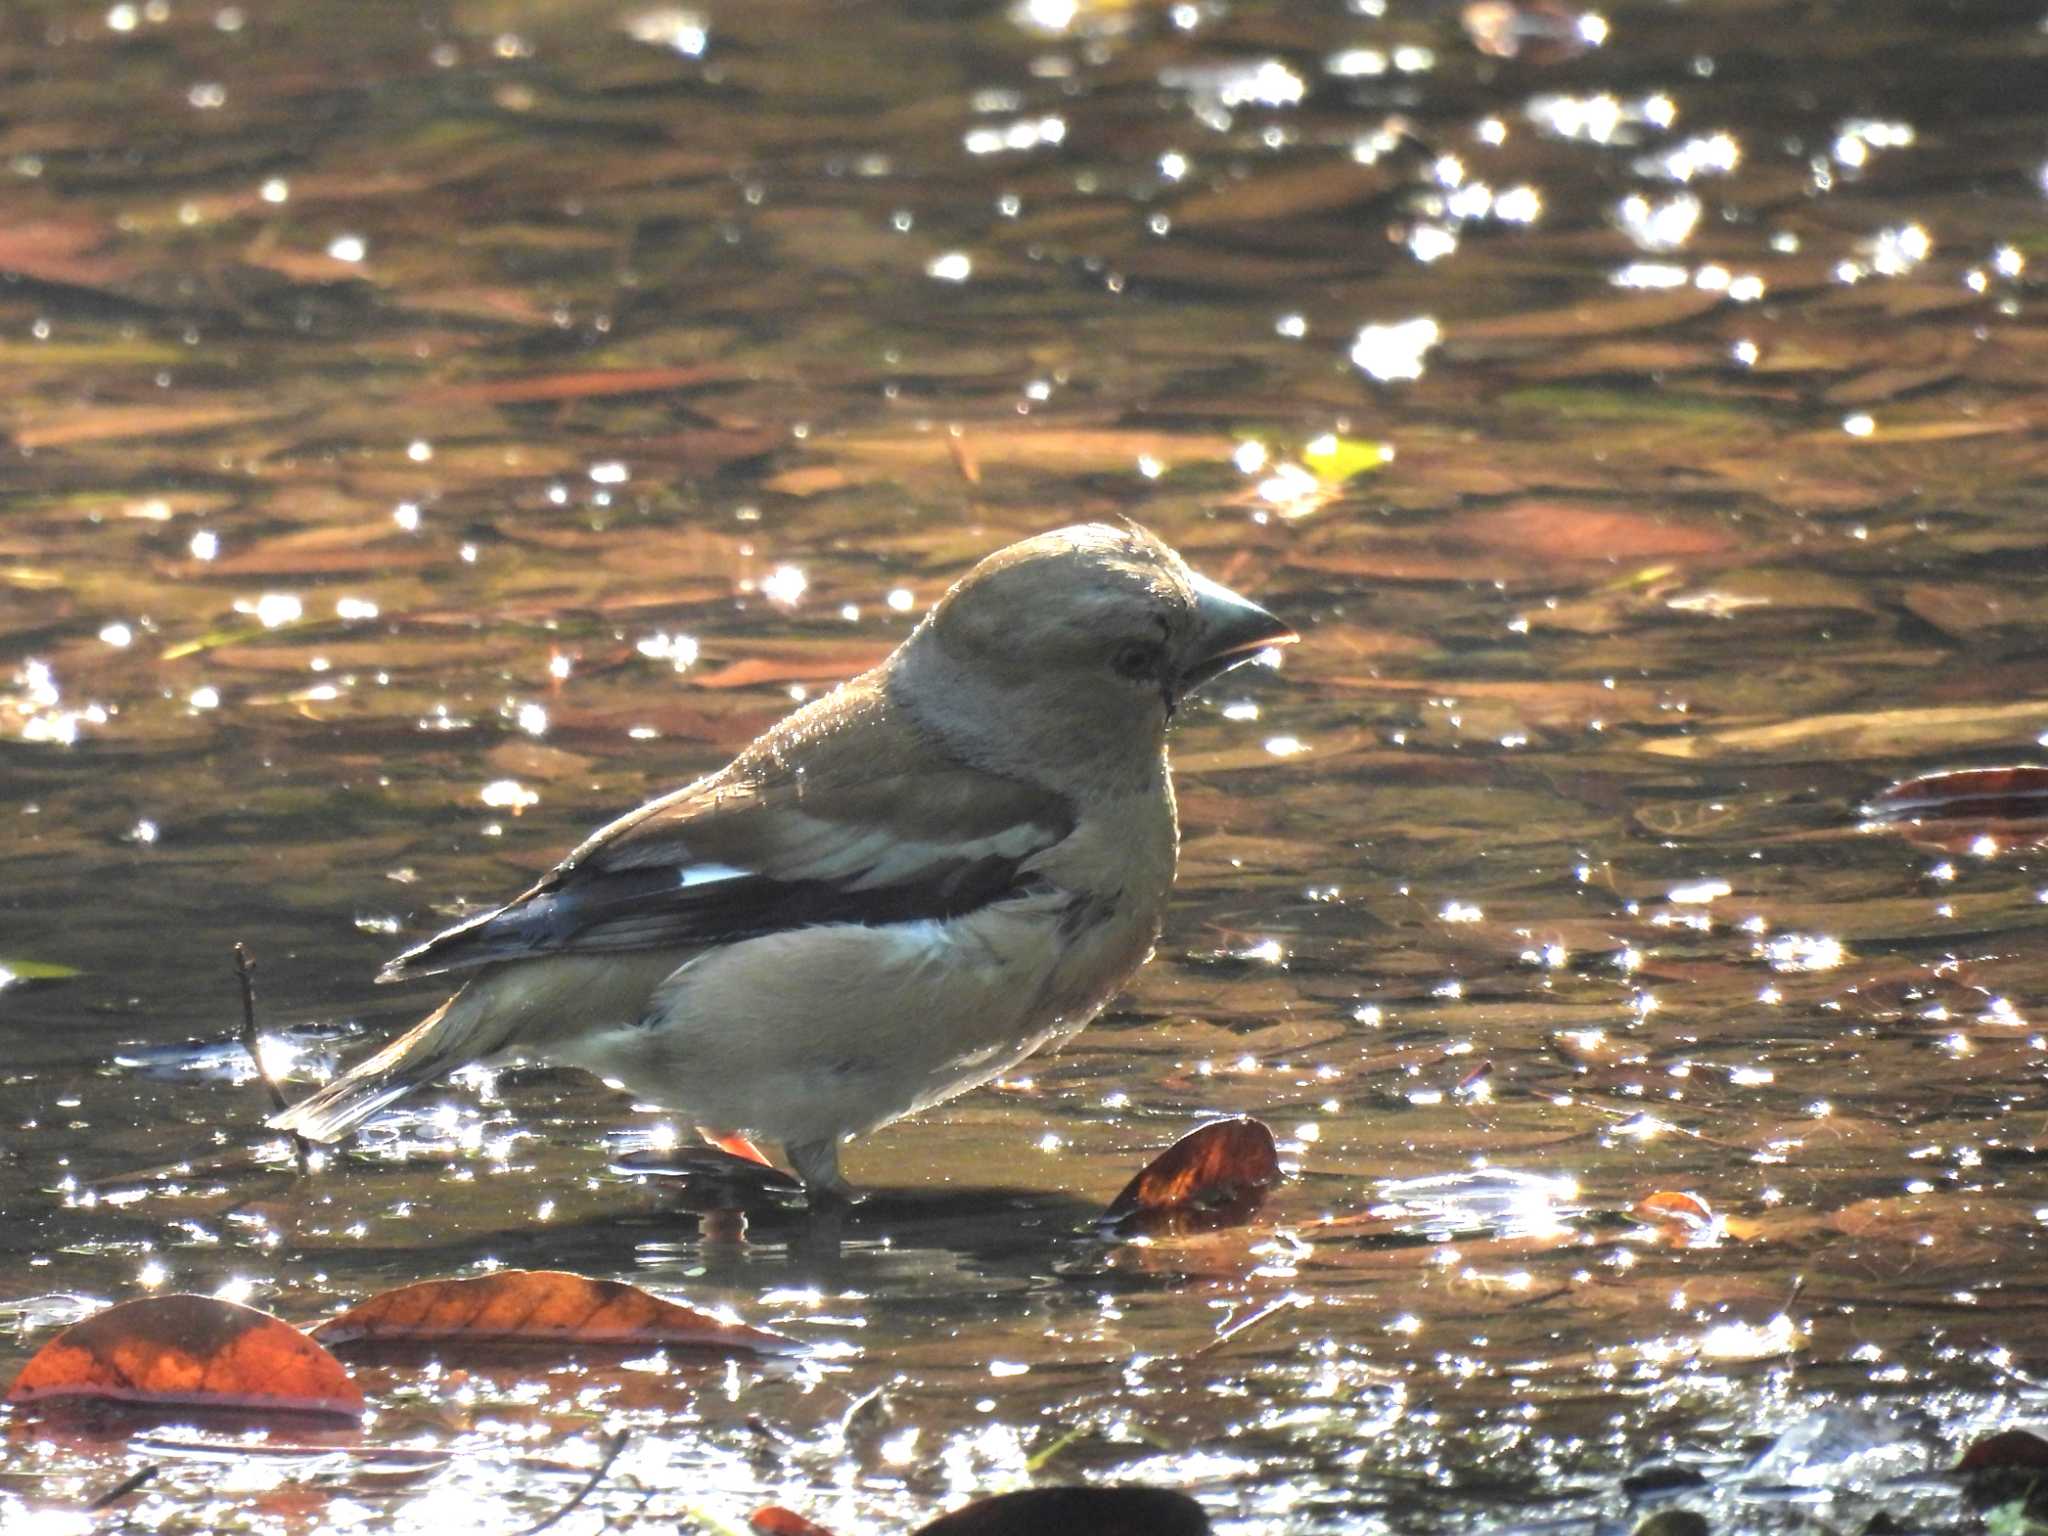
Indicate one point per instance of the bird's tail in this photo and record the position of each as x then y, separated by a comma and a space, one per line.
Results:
439, 1043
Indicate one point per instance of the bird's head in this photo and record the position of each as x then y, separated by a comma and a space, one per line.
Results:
1076, 646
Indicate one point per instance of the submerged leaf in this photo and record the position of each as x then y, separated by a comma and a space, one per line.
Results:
2018, 793
35, 970
536, 1305
188, 1352
1337, 459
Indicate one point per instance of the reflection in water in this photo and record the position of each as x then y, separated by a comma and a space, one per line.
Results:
431, 432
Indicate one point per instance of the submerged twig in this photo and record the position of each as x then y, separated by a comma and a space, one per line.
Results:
245, 973
597, 1476
1243, 1325
126, 1486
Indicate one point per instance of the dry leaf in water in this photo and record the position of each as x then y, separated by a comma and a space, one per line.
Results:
1681, 1216
2018, 793
1215, 1176
188, 1352
542, 1305
774, 1520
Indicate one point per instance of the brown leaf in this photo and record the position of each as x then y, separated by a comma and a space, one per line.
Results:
753, 671
2009, 1449
1874, 733
1215, 1176
188, 1352
112, 423
590, 384
60, 251
529, 1305
1076, 1512
1600, 317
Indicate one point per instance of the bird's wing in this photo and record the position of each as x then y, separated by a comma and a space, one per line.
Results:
842, 814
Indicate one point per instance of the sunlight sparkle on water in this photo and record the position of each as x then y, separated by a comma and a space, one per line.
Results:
785, 585
1269, 83
508, 794
1045, 15
686, 32
1660, 226
1714, 154
1698, 892
680, 650
1024, 134
273, 610
1394, 352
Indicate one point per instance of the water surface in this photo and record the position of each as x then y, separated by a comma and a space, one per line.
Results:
433, 429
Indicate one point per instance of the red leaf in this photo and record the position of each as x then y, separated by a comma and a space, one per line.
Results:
2018, 793
1076, 1512
189, 1351
1214, 1176
774, 1520
543, 1305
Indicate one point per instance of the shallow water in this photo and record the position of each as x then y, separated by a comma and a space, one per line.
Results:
433, 429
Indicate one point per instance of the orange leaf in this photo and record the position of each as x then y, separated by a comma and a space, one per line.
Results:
1683, 1215
774, 1520
1217, 1174
738, 1146
531, 1305
188, 1351
1076, 1512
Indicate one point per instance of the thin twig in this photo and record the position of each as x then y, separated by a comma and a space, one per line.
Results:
611, 1455
1244, 1325
123, 1488
245, 972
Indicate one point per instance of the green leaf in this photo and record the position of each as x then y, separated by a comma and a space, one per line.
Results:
12, 971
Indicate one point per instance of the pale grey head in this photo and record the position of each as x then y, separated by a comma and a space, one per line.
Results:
1075, 648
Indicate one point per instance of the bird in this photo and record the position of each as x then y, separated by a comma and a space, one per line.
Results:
895, 895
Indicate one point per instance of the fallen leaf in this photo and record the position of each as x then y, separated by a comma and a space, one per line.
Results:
2008, 1449
1215, 1176
1876, 733
114, 423
12, 971
1680, 1215
2018, 793
1076, 1512
188, 1352
534, 1305
1337, 459
592, 384
774, 1520
1601, 317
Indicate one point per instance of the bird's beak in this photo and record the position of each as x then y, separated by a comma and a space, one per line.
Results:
1228, 629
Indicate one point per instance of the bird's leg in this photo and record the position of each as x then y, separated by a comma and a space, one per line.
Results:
817, 1164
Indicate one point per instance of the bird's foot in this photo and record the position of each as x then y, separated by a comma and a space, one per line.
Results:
817, 1164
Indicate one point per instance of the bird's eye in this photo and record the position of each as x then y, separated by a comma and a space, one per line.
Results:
1139, 660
